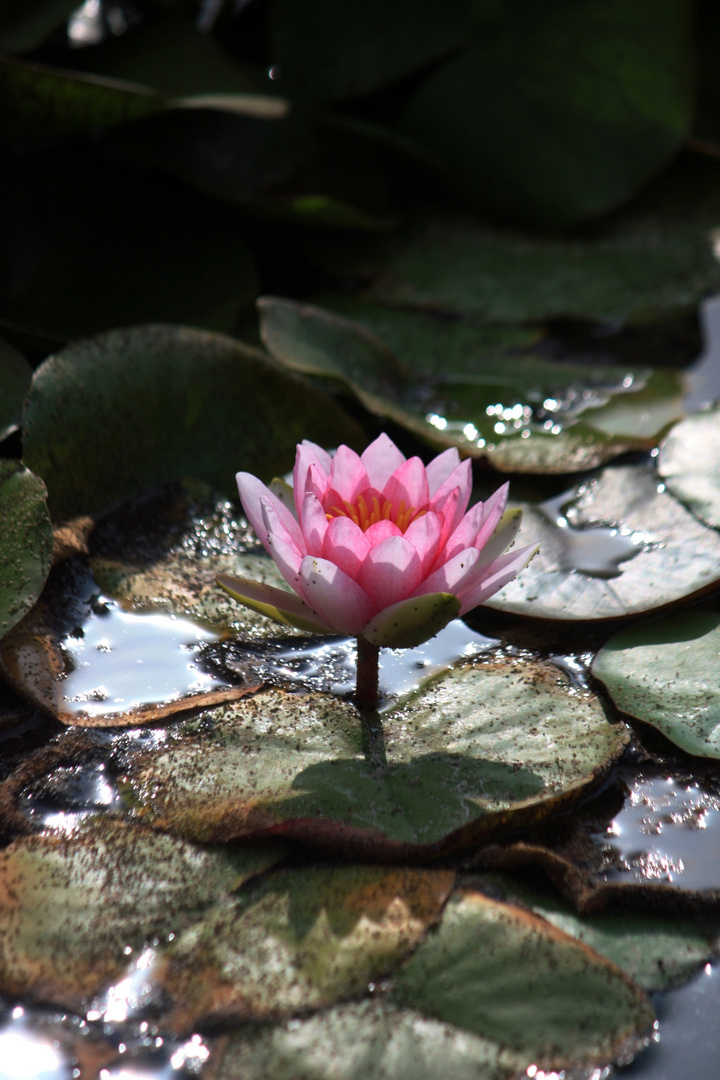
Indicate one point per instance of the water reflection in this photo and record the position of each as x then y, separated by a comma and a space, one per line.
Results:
24, 1056
593, 550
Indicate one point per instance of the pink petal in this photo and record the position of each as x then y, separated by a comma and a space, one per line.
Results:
408, 484
503, 536
252, 494
314, 524
450, 577
281, 549
347, 474
346, 545
479, 523
424, 533
336, 598
440, 468
496, 575
460, 478
381, 530
391, 572
381, 459
493, 510
323, 458
310, 473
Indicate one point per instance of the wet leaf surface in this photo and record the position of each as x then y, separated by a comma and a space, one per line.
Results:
15, 375
299, 940
663, 674
479, 389
26, 542
689, 463
506, 975
78, 909
163, 403
616, 545
479, 751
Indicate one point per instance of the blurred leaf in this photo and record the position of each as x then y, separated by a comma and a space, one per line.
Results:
134, 408
617, 545
15, 375
331, 51
689, 463
561, 111
455, 384
665, 674
506, 975
104, 246
26, 24
477, 751
26, 542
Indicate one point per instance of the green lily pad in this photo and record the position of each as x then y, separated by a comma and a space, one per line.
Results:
666, 675
507, 975
479, 750
75, 909
689, 463
657, 953
26, 542
652, 259
134, 408
478, 389
300, 940
370, 1040
538, 121
623, 547
15, 375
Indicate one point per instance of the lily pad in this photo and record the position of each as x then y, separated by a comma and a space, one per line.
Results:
479, 750
76, 908
689, 463
300, 940
135, 408
507, 975
478, 389
657, 953
615, 546
15, 375
26, 542
665, 674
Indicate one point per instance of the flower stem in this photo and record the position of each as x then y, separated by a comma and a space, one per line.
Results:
366, 688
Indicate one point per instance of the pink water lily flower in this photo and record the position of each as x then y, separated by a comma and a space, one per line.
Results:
376, 545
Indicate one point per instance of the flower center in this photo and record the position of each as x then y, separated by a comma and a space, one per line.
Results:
366, 512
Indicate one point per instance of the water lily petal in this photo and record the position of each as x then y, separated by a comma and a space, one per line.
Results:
440, 468
334, 596
479, 523
252, 494
391, 572
503, 536
346, 545
450, 576
380, 460
310, 472
409, 484
502, 570
284, 607
285, 494
314, 523
424, 533
409, 623
347, 474
460, 478
381, 530
284, 553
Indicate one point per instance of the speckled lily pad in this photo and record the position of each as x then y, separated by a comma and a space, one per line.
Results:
689, 463
26, 542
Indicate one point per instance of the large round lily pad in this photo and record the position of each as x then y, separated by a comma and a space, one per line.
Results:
689, 463
615, 546
26, 542
478, 751
478, 389
507, 975
135, 408
76, 910
665, 674
300, 940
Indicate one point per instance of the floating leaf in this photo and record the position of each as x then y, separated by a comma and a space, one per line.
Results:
614, 546
134, 408
15, 375
689, 462
539, 122
506, 975
300, 940
26, 542
665, 674
74, 908
656, 952
477, 751
473, 388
